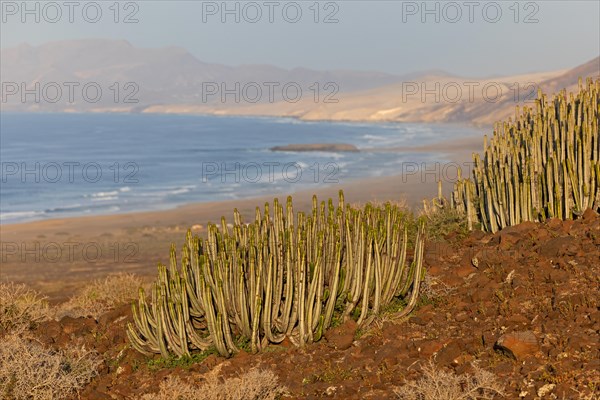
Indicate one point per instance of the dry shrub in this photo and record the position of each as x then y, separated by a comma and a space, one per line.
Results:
435, 288
21, 307
252, 385
102, 295
584, 396
436, 384
28, 370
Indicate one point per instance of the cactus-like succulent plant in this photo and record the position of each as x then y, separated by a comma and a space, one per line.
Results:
282, 275
545, 163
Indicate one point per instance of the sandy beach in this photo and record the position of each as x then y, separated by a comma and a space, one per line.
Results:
57, 256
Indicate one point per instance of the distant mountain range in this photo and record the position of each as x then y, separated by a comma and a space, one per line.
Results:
100, 75
164, 76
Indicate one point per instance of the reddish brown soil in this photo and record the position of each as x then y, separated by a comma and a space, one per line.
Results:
535, 287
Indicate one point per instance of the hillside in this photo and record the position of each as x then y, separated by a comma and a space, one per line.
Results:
521, 304
169, 75
465, 100
171, 80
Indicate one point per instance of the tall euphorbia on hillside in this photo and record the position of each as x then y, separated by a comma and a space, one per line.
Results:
544, 164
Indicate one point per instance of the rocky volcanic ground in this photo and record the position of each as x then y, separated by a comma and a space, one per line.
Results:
524, 303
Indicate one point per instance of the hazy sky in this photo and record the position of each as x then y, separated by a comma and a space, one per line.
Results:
469, 38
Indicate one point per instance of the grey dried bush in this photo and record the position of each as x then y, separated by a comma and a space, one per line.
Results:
583, 396
437, 384
102, 295
434, 288
28, 370
254, 384
21, 307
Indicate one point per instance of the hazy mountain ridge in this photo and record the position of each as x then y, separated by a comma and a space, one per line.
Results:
171, 80
164, 75
394, 103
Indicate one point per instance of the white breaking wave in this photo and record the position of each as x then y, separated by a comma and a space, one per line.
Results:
16, 215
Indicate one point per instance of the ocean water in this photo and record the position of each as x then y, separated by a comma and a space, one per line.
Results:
59, 165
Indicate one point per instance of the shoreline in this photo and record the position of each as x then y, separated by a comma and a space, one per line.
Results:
465, 123
353, 186
58, 256
458, 150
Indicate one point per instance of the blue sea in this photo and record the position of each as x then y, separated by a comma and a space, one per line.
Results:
59, 165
